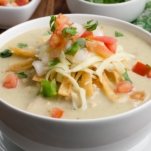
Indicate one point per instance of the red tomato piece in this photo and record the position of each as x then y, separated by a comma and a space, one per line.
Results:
111, 47
56, 112
149, 74
106, 39
123, 87
21, 2
87, 34
55, 40
141, 69
3, 2
61, 20
10, 81
101, 50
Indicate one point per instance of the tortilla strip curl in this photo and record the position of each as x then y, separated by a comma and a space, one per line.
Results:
114, 76
86, 83
21, 66
65, 87
109, 89
38, 78
22, 52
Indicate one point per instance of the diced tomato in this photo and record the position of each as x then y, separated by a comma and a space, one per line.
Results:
10, 81
55, 40
61, 20
87, 34
3, 2
124, 87
149, 74
111, 47
21, 2
138, 95
141, 69
56, 112
101, 50
106, 39
60, 28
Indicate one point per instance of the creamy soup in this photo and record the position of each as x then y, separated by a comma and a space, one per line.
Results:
25, 95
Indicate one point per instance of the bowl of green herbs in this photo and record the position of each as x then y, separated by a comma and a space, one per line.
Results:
127, 10
107, 1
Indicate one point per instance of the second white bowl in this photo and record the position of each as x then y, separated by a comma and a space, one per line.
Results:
127, 11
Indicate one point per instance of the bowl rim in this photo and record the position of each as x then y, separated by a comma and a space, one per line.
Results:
109, 5
103, 119
31, 3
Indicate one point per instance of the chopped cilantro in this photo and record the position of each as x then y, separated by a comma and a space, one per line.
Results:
6, 53
126, 77
118, 34
90, 27
22, 45
22, 75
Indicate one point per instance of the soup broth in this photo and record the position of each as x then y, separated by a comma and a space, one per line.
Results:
25, 95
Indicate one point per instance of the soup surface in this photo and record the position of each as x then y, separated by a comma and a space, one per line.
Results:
25, 95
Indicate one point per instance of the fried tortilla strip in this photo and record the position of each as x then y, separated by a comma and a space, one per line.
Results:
21, 66
86, 83
114, 76
22, 52
97, 82
38, 78
109, 89
65, 87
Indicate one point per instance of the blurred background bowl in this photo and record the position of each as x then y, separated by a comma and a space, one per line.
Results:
127, 11
11, 16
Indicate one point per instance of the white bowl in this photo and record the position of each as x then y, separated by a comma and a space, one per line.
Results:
10, 16
127, 11
33, 132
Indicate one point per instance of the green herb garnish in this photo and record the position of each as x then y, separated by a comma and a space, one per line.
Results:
53, 18
68, 32
73, 49
81, 42
48, 89
118, 34
89, 26
53, 28
22, 75
52, 24
126, 77
22, 45
53, 62
106, 1
47, 33
6, 53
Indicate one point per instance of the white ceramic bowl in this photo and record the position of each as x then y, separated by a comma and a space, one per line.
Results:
127, 11
36, 133
10, 16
